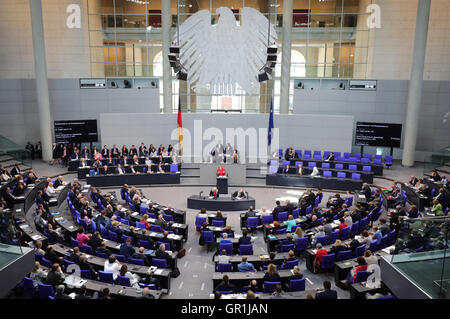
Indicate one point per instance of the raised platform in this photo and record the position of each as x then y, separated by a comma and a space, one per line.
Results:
133, 179
221, 203
314, 182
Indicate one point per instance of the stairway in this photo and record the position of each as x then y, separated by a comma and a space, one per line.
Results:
8, 162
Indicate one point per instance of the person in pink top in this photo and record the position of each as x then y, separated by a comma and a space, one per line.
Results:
82, 237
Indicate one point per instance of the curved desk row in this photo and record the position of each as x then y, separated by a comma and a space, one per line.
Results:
221, 203
83, 172
133, 179
314, 182
74, 164
377, 169
366, 177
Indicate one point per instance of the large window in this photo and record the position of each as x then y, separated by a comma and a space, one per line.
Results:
330, 39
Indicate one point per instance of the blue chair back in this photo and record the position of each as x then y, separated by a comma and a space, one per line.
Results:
356, 176
290, 264
345, 233
327, 174
296, 213
282, 216
312, 164
281, 231
245, 250
327, 261
361, 276
106, 277
301, 243
269, 286
286, 248
45, 291
168, 217
352, 167
344, 255
74, 242
297, 285
28, 286
104, 231
373, 246
123, 281
155, 228
132, 207
341, 174
143, 210
199, 221
333, 237
125, 237
267, 219
273, 169
227, 246
173, 168
145, 243
86, 249
160, 263
86, 274
158, 243
113, 236
134, 261
348, 201
224, 267
355, 228
218, 222
252, 222
367, 168
339, 166
359, 251
309, 209
102, 255
325, 165
322, 239
208, 236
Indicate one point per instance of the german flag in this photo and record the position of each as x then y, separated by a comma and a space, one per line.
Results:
180, 126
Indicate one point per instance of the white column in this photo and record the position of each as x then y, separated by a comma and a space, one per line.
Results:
40, 66
415, 84
166, 21
286, 57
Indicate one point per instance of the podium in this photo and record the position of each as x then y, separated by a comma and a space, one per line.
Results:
222, 184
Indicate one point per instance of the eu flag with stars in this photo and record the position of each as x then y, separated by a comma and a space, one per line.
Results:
269, 135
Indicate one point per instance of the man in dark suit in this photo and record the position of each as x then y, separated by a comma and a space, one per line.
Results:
366, 191
142, 149
105, 151
95, 241
83, 293
225, 285
85, 152
133, 151
309, 197
16, 170
102, 249
75, 155
150, 280
161, 252
327, 293
277, 209
127, 249
413, 181
245, 239
165, 239
140, 254
239, 194
115, 151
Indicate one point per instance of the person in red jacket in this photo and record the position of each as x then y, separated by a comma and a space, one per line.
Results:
221, 171
319, 254
362, 266
144, 220
343, 224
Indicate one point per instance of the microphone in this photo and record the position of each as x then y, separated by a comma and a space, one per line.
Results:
200, 194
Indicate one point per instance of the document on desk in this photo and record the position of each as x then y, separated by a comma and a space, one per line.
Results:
158, 271
314, 251
36, 237
135, 214
172, 236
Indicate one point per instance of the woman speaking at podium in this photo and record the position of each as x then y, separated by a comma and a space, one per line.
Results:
221, 171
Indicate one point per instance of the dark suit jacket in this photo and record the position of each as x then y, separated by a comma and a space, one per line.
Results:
214, 194
327, 294
15, 171
245, 240
159, 254
225, 287
127, 250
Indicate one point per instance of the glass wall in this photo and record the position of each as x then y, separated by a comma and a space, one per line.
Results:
421, 254
330, 38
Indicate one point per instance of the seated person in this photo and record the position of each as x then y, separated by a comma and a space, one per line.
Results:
299, 169
119, 170
214, 193
245, 265
315, 171
225, 285
239, 194
330, 157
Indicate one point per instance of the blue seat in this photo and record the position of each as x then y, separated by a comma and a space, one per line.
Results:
28, 286
363, 224
388, 160
327, 174
145, 243
125, 237
160, 263
327, 261
359, 251
341, 174
168, 218
199, 221
373, 246
224, 267
158, 243
347, 155
132, 207
86, 249
297, 285
227, 246
366, 168
143, 210
273, 170
74, 242
286, 248
322, 239
383, 242
355, 228
312, 164
282, 216
299, 153
281, 231
290, 264
267, 219
140, 225
344, 255
296, 213
309, 209
106, 277
361, 276
134, 261
298, 162
301, 244
325, 165
208, 236
113, 236
348, 201
155, 228
356, 176
102, 255
123, 281
269, 286
378, 161
173, 168
45, 291
245, 250
353, 167
104, 231
339, 166
46, 262
365, 160
218, 222
333, 237
86, 274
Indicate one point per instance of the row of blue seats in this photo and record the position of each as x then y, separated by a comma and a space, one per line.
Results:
356, 157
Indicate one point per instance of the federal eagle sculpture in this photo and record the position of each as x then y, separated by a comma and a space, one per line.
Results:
217, 57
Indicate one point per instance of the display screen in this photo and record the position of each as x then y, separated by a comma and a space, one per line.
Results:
378, 134
79, 131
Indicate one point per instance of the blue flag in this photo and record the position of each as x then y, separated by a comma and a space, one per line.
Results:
269, 134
